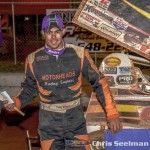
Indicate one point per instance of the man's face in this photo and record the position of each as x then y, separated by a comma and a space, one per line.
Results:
54, 38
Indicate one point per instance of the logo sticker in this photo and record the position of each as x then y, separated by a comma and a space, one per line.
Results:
110, 70
120, 23
112, 61
125, 79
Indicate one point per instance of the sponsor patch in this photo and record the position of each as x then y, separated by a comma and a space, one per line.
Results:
102, 4
125, 79
110, 31
92, 20
45, 57
110, 70
112, 61
95, 12
52, 77
124, 70
120, 23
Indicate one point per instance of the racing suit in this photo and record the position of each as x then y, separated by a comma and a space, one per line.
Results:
58, 81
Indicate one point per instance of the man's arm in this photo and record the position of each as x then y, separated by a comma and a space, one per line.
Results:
99, 83
28, 90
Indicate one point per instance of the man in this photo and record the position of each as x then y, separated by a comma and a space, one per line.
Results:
55, 73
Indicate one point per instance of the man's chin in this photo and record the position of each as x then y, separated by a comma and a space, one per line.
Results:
54, 47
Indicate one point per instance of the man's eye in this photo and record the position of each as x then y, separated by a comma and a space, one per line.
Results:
48, 32
58, 31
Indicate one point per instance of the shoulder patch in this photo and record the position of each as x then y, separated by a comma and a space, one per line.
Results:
31, 56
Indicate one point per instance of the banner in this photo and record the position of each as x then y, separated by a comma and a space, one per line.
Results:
128, 139
0, 33
124, 22
82, 37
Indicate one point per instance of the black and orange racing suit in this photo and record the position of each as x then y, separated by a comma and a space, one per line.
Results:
59, 81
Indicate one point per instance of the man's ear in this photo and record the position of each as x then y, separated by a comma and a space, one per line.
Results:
42, 34
64, 31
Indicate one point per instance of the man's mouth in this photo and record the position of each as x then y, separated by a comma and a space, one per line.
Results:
54, 41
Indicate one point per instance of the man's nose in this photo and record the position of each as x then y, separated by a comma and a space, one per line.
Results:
53, 35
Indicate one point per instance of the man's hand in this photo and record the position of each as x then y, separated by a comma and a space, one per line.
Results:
9, 107
12, 107
114, 125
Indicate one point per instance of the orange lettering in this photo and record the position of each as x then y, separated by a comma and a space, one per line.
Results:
45, 77
62, 75
53, 77
73, 73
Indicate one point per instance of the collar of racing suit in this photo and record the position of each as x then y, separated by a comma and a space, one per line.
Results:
55, 52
